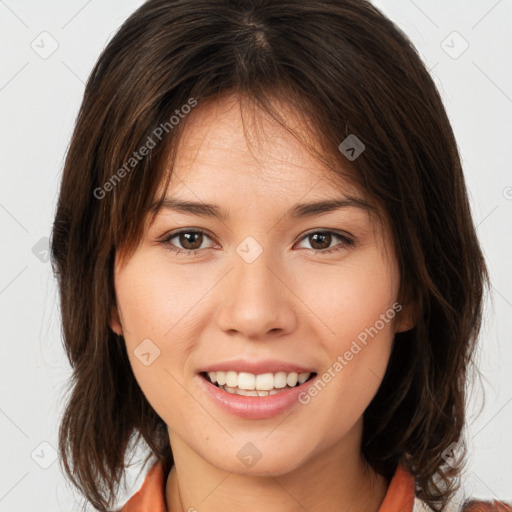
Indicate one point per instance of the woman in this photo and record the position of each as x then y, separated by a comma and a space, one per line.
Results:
267, 264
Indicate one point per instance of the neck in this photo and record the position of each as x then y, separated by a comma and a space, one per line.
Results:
335, 480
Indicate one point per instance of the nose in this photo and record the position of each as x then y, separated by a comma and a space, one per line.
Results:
256, 301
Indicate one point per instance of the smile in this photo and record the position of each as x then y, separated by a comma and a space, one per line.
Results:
254, 403
257, 385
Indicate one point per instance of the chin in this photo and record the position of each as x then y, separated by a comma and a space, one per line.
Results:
259, 457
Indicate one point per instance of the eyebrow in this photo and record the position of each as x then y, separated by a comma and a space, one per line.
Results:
298, 211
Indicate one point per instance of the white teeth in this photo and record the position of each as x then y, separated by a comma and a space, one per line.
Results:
280, 380
303, 377
246, 381
232, 379
292, 379
254, 392
264, 382
245, 392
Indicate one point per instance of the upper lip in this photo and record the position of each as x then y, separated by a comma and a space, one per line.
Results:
256, 367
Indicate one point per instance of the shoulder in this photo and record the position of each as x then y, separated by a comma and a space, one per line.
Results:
484, 506
471, 505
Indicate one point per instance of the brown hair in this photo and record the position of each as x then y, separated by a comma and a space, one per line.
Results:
348, 70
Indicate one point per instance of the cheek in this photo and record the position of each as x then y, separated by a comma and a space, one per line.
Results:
152, 313
150, 301
351, 298
357, 308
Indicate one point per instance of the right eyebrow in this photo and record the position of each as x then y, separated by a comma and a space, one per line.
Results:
195, 208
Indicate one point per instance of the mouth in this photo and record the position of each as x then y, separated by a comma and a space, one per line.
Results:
256, 385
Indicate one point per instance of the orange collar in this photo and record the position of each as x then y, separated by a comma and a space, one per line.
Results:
151, 496
400, 495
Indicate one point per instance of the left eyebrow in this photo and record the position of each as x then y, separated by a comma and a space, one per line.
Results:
298, 211
316, 208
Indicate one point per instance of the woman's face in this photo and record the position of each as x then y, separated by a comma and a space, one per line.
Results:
255, 298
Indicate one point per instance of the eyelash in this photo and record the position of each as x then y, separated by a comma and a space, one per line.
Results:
346, 241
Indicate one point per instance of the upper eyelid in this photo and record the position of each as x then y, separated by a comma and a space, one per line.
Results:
173, 234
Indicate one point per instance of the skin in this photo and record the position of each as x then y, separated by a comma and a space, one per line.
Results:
289, 304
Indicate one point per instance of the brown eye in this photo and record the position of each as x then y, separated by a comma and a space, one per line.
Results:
321, 241
186, 241
190, 240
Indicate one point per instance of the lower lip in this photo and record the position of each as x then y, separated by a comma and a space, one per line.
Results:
255, 407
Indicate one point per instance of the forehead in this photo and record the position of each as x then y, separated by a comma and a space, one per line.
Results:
233, 148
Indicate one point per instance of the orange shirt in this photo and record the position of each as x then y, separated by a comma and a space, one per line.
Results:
151, 496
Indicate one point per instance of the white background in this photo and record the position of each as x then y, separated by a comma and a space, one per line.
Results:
39, 101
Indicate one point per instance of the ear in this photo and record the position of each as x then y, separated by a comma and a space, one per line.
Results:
114, 321
406, 318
